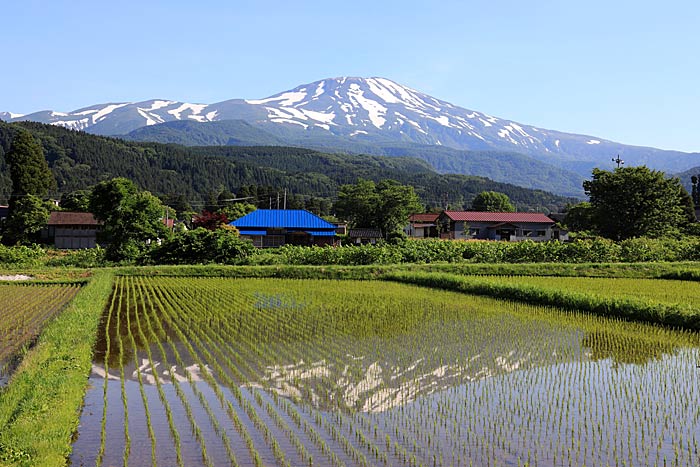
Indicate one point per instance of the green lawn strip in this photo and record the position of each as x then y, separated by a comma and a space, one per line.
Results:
40, 407
678, 316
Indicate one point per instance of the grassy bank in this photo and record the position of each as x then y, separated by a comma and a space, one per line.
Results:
678, 316
40, 407
680, 271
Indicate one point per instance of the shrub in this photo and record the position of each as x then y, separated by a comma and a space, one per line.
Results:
201, 246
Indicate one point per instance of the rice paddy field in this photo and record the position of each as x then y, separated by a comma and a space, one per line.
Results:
656, 290
23, 311
248, 372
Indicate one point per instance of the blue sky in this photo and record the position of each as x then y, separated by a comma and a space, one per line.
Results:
628, 71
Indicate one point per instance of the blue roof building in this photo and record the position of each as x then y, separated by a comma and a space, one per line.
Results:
276, 227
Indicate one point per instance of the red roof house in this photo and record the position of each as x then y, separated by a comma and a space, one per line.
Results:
511, 226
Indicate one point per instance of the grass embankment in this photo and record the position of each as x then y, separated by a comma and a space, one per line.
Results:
681, 271
674, 315
40, 407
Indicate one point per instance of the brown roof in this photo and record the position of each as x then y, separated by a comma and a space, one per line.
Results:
72, 218
479, 216
427, 217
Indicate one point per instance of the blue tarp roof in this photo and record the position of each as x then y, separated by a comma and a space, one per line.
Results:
282, 218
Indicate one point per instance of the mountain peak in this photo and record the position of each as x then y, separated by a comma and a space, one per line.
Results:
365, 110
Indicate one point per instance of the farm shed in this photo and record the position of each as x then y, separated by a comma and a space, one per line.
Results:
269, 228
422, 225
361, 236
72, 230
509, 226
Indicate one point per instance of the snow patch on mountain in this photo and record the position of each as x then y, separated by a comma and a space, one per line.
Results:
102, 113
195, 109
284, 99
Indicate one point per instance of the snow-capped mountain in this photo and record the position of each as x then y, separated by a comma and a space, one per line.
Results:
369, 110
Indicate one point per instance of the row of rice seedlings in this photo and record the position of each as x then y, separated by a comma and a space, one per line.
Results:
122, 378
217, 427
108, 343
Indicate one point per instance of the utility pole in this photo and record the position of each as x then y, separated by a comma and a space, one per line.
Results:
618, 161
285, 199
278, 200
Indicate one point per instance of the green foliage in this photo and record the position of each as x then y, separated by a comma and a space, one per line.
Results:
636, 202
78, 201
385, 205
85, 258
492, 201
28, 215
202, 246
132, 219
21, 255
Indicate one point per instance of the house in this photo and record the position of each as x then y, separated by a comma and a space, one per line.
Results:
510, 226
276, 227
363, 236
422, 225
72, 230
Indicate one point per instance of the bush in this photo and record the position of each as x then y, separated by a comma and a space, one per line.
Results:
201, 246
21, 255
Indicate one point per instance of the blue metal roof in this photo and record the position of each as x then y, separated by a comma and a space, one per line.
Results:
282, 218
320, 233
253, 232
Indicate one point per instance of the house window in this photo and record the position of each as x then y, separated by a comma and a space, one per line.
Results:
541, 233
527, 233
273, 241
473, 231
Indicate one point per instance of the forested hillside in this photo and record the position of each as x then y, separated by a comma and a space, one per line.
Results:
79, 160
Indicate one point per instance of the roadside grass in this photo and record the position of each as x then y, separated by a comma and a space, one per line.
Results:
40, 407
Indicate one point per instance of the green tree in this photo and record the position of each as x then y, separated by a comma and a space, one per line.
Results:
636, 202
28, 216
492, 201
132, 219
237, 210
385, 205
78, 200
580, 217
31, 180
358, 203
29, 172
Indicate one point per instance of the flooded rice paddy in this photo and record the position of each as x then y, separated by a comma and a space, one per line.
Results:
24, 309
208, 371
